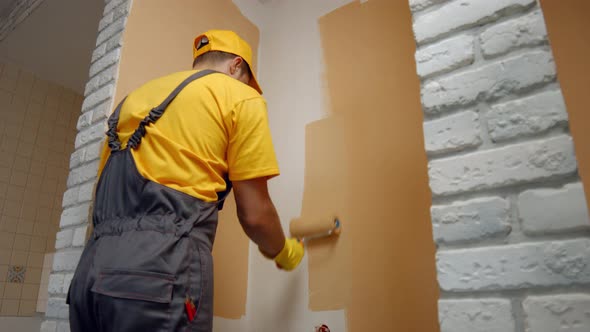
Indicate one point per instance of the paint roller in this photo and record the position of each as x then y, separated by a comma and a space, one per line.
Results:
306, 230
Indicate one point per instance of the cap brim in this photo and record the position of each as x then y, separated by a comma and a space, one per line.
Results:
254, 83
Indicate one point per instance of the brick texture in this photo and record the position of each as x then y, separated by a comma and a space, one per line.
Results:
489, 82
445, 56
528, 30
527, 116
463, 14
476, 219
452, 133
566, 312
525, 162
562, 210
481, 315
417, 5
518, 266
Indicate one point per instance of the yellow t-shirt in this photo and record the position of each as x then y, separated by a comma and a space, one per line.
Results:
215, 126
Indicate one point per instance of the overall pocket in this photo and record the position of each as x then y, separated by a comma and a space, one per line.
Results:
133, 300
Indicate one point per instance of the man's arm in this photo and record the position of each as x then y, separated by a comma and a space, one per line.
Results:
258, 216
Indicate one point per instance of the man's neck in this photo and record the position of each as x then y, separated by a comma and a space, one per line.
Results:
208, 67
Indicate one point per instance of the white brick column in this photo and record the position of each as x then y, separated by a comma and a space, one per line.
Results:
509, 214
77, 199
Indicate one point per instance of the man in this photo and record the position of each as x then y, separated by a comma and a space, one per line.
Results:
174, 147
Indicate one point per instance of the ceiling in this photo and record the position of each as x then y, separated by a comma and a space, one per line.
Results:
4, 4
56, 41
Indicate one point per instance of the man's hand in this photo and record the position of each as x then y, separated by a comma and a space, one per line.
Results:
291, 255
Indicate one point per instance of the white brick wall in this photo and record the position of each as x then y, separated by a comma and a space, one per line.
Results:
509, 214
463, 14
84, 161
482, 315
554, 210
567, 312
514, 164
422, 4
445, 56
518, 266
528, 30
452, 133
477, 219
489, 82
49, 326
526, 116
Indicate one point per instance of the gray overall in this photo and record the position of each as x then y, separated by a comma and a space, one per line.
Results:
150, 251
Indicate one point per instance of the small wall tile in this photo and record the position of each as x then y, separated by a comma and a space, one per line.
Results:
38, 244
27, 307
5, 257
9, 224
35, 260
12, 291
16, 274
22, 242
19, 257
40, 229
33, 275
6, 240
4, 173
22, 163
3, 273
9, 307
30, 213
12, 210
30, 292
25, 227
15, 194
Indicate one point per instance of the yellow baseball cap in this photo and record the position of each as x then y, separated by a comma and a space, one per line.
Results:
225, 41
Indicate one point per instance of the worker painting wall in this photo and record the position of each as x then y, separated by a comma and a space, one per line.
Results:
152, 50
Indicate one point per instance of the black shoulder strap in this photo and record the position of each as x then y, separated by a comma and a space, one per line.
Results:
155, 114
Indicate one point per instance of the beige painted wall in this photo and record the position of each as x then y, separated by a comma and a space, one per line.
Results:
375, 100
569, 33
158, 41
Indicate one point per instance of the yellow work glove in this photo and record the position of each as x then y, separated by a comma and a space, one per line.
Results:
291, 255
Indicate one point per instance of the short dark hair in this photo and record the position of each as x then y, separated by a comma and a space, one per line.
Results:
215, 57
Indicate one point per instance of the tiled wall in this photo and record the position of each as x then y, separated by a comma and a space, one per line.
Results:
37, 131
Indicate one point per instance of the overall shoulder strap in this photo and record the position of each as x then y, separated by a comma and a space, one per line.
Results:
157, 112
153, 116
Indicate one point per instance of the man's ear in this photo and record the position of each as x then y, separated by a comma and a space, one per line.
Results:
235, 65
